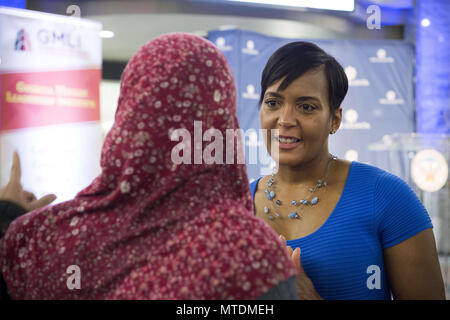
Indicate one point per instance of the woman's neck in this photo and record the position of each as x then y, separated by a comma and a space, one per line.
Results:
305, 173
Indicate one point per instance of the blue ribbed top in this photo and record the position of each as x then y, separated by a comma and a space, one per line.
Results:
376, 210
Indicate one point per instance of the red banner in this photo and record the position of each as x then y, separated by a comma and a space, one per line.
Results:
47, 98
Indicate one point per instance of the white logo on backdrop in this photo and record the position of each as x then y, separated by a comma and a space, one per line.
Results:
221, 44
387, 140
381, 57
353, 81
351, 155
391, 98
351, 116
351, 121
250, 48
250, 94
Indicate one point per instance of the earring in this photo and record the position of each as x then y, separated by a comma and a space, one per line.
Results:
332, 131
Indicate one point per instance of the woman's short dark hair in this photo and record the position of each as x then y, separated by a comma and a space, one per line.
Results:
296, 58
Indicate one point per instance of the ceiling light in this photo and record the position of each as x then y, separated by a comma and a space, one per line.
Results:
106, 34
227, 27
425, 22
341, 5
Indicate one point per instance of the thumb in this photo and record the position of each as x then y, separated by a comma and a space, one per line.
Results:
16, 171
45, 200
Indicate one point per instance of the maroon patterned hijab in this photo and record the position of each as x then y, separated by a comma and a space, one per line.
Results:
147, 228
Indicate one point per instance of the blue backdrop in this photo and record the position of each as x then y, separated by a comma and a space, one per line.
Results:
433, 67
380, 100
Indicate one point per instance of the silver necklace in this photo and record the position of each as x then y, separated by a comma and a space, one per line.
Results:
309, 201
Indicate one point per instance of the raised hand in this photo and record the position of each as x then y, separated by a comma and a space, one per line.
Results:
14, 192
305, 287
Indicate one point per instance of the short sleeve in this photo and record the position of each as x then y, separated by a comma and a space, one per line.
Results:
399, 214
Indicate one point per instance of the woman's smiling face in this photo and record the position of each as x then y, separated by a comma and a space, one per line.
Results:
301, 112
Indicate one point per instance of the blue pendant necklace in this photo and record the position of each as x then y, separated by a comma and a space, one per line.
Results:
311, 201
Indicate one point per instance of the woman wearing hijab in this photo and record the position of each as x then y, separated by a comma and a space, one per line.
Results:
148, 228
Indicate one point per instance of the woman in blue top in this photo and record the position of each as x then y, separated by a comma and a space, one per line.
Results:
361, 232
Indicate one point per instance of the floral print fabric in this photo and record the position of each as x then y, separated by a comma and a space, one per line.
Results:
147, 228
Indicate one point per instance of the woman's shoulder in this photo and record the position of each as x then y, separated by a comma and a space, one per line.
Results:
366, 169
384, 186
254, 186
376, 175
254, 182
387, 187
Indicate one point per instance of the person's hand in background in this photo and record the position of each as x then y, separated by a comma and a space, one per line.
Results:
14, 192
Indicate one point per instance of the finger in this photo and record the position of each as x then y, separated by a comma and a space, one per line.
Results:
282, 239
16, 171
284, 242
289, 251
45, 200
29, 196
296, 258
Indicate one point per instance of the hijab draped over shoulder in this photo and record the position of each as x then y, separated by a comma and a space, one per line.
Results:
150, 227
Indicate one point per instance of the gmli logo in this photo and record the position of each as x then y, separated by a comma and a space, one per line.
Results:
59, 39
46, 37
22, 41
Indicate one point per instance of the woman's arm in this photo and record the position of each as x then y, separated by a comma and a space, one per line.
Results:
413, 269
8, 212
14, 202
